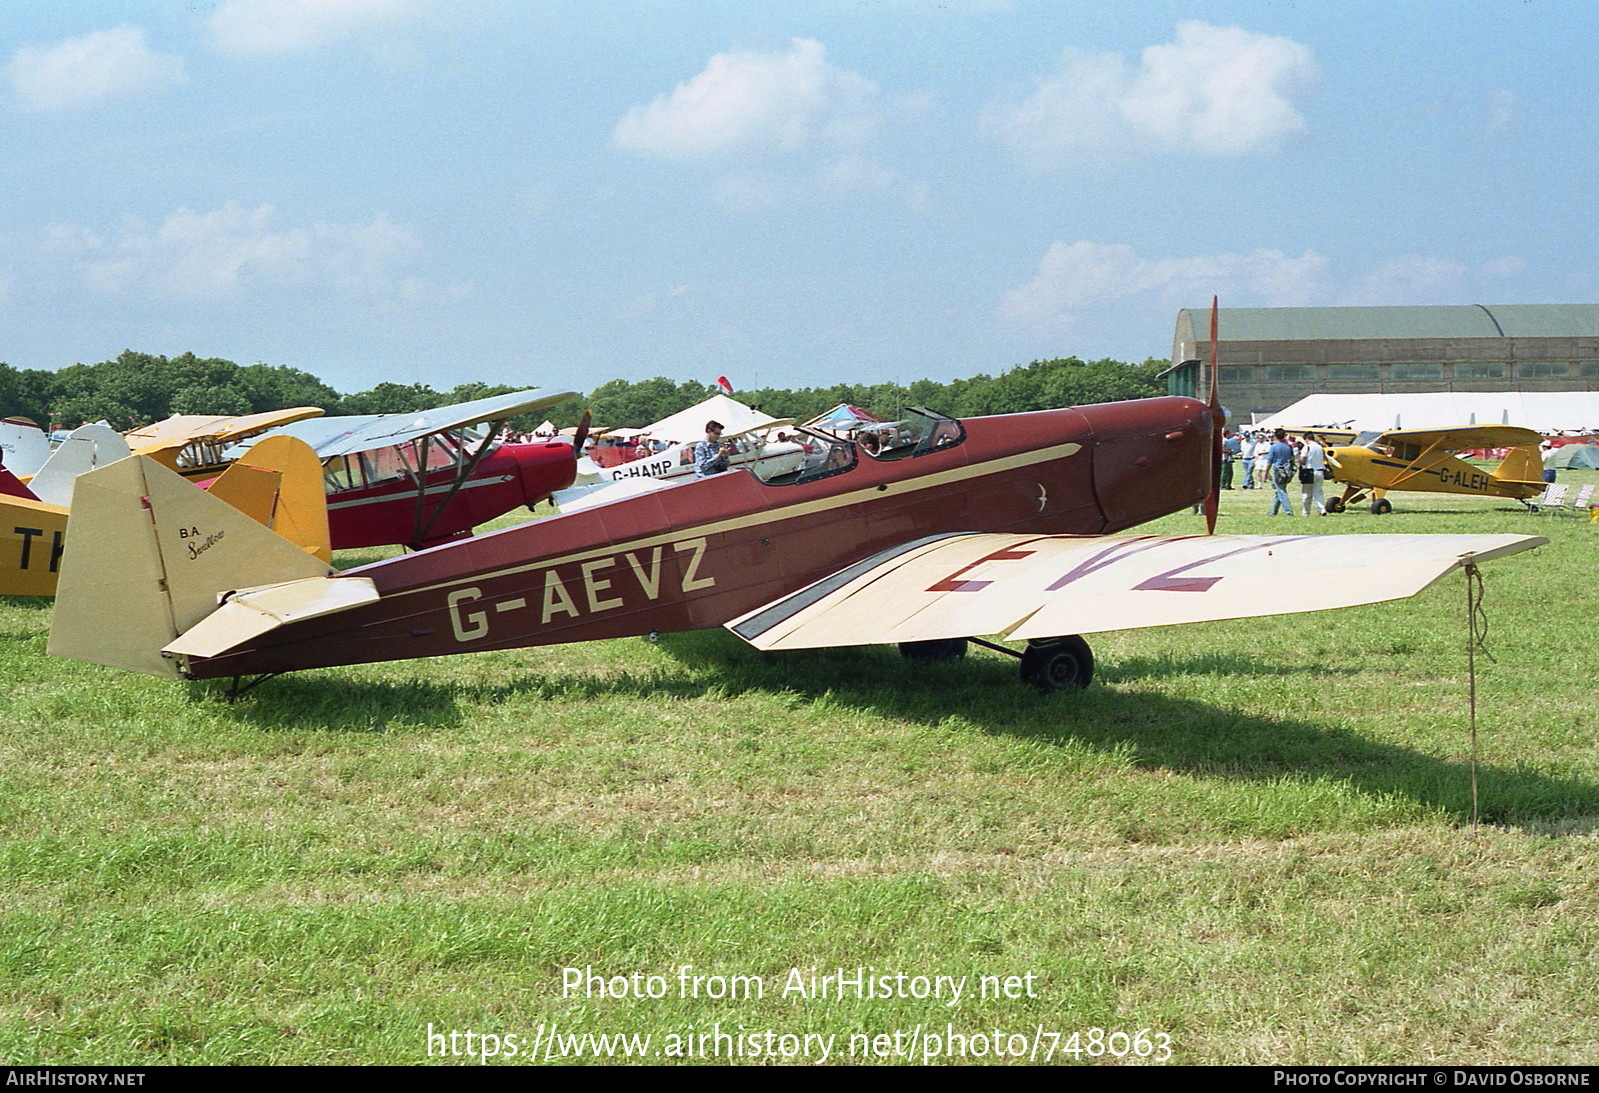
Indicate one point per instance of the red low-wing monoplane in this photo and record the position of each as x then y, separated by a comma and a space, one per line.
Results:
1000, 525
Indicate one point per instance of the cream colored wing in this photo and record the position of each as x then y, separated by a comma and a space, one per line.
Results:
1048, 586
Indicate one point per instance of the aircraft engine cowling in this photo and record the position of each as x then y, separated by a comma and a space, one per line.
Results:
542, 468
1147, 463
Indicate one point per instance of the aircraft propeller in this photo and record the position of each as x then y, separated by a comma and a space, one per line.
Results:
582, 433
1213, 502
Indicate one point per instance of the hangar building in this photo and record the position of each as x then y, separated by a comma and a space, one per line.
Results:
1270, 357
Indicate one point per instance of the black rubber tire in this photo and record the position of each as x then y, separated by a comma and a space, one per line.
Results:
1060, 664
1381, 507
930, 651
1335, 504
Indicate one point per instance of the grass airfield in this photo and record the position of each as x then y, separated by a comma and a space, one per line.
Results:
1254, 838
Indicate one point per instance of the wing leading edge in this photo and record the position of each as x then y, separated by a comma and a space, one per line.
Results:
1028, 587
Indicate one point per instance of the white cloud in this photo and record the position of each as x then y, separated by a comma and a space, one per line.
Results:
1422, 279
1408, 279
79, 72
1499, 111
647, 305
1075, 277
745, 100
420, 292
1216, 91
1505, 266
233, 251
293, 26
844, 178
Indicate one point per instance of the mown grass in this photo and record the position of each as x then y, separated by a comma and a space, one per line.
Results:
1254, 836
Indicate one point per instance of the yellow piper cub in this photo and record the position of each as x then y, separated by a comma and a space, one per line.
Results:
1425, 461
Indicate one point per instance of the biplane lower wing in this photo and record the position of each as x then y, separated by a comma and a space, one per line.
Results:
1030, 587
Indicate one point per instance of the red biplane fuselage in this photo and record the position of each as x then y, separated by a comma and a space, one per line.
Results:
698, 555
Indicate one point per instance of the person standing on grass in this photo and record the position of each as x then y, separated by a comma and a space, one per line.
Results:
1281, 467
1312, 469
1248, 450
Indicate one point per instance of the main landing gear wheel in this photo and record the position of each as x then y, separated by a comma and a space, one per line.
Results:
1058, 664
930, 651
1381, 507
1335, 504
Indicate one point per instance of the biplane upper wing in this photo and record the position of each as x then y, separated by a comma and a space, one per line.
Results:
181, 429
1460, 437
1047, 586
334, 436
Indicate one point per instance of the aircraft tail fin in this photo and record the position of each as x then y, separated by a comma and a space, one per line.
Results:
88, 447
1521, 465
278, 483
149, 557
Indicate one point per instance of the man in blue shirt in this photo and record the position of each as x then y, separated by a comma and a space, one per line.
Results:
1283, 470
708, 456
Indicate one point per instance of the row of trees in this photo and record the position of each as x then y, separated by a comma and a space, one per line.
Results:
138, 388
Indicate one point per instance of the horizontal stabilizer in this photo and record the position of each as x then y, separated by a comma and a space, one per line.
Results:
1049, 586
251, 613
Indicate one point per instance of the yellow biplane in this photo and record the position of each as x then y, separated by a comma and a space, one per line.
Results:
193, 444
1428, 461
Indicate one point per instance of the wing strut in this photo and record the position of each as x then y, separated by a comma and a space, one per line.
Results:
462, 473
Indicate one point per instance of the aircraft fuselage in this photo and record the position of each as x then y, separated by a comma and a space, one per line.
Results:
697, 555
1440, 473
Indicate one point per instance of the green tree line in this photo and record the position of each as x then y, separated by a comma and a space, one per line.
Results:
137, 388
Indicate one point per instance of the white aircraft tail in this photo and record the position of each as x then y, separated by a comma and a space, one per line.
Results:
88, 447
150, 557
23, 446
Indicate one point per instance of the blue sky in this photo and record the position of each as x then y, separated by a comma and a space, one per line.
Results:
789, 193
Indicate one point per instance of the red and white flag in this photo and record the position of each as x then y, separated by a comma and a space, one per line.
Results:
722, 382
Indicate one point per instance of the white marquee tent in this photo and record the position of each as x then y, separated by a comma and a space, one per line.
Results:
1544, 412
687, 425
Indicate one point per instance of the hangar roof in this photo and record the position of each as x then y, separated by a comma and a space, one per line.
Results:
1260, 324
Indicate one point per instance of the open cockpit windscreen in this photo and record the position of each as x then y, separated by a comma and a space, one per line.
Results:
918, 432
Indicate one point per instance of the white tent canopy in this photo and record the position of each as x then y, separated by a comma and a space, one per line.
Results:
690, 424
1544, 412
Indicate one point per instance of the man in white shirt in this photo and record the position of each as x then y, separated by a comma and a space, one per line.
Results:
1312, 459
1249, 460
